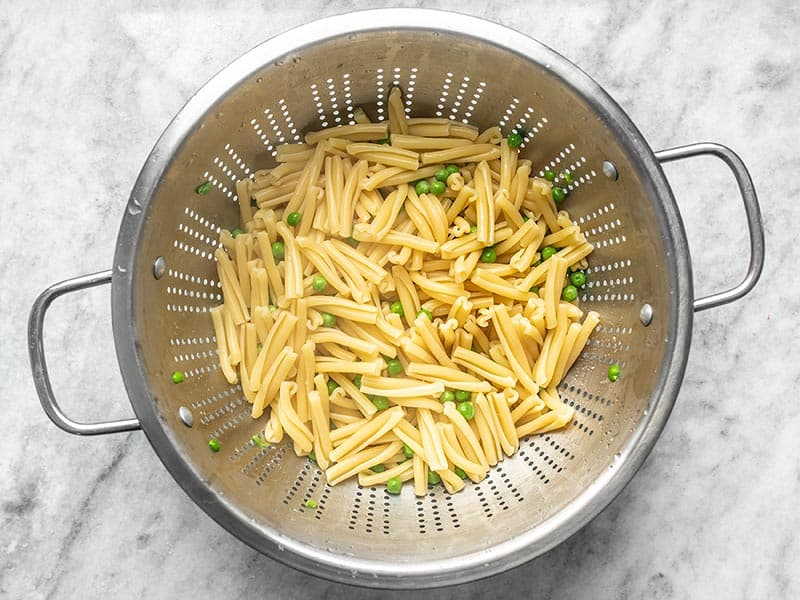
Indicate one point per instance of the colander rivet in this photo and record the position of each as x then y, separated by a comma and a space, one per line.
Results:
159, 266
186, 416
610, 171
646, 314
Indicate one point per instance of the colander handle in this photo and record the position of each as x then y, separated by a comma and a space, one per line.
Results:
755, 225
39, 366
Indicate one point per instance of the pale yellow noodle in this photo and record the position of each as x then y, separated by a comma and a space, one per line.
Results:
276, 340
222, 346
243, 200
386, 155
369, 432
232, 336
305, 378
277, 372
461, 154
321, 427
357, 132
230, 287
360, 461
397, 114
398, 387
489, 334
484, 367
273, 275
404, 471
309, 177
554, 283
418, 143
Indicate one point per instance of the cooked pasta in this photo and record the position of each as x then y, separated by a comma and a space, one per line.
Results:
397, 300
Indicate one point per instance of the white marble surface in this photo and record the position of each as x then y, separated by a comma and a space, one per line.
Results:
85, 90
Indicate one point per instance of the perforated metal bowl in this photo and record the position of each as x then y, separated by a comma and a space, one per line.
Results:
164, 283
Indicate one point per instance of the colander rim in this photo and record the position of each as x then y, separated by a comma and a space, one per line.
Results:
373, 573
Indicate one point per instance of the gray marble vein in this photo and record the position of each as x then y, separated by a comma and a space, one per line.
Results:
86, 88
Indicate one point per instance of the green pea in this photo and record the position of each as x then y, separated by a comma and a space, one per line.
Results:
547, 252
278, 251
558, 193
577, 278
380, 402
451, 169
214, 445
409, 453
425, 312
514, 140
397, 308
569, 293
442, 175
473, 229
394, 367
357, 381
177, 377
311, 504
422, 187
447, 396
312, 457
489, 255
438, 188
332, 385
460, 472
534, 289
203, 188
613, 372
258, 441
293, 218
319, 283
433, 478
328, 320
466, 410
236, 232
394, 485
567, 177
463, 395
378, 468
549, 175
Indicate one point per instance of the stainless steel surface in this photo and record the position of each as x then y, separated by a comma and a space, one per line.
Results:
315, 76
646, 314
609, 170
159, 267
41, 377
186, 416
755, 225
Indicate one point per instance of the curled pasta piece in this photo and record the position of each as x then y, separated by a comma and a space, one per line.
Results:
381, 270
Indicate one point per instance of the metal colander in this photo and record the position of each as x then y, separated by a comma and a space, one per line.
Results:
164, 283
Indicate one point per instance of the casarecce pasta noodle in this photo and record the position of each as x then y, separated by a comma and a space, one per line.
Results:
400, 300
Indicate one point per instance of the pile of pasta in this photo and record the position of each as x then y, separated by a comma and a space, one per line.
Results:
498, 330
